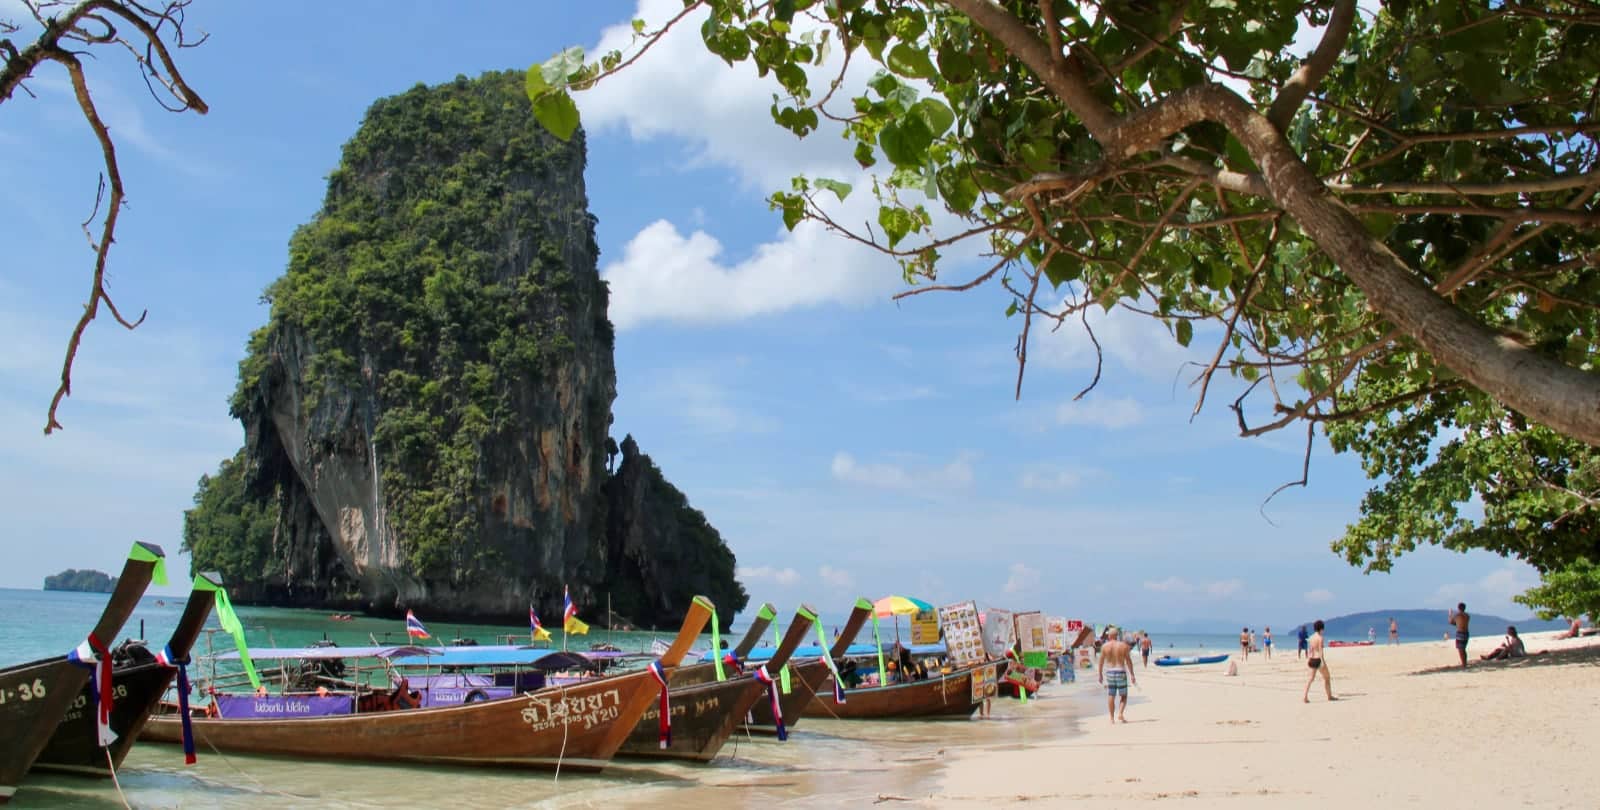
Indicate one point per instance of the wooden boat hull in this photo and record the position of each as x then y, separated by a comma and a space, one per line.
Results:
945, 696
75, 747
35, 696
578, 726
704, 716
805, 678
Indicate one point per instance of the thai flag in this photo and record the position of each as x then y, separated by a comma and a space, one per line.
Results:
569, 611
414, 628
533, 622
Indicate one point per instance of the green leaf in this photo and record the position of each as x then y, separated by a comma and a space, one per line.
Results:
909, 60
905, 141
558, 69
840, 190
1011, 309
864, 155
1185, 332
935, 115
957, 187
555, 110
1221, 275
783, 10
955, 65
897, 223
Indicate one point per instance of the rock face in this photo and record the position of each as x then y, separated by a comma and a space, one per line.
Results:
427, 409
662, 550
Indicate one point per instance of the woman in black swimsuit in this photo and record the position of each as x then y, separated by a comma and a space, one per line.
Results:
1317, 665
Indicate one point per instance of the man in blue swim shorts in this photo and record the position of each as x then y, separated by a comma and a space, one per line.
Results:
1462, 622
1116, 668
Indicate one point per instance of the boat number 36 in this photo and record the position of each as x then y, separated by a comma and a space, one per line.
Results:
23, 691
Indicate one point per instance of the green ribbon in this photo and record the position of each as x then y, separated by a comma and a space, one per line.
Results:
766, 612
783, 674
230, 622
143, 554
877, 640
716, 643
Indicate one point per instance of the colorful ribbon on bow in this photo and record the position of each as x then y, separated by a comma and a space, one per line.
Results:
827, 658
230, 622
166, 659
664, 724
772, 696
716, 646
93, 656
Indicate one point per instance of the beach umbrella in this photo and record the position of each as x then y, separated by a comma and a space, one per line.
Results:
898, 606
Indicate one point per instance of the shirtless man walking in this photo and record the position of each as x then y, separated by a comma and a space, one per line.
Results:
1462, 621
1318, 664
1116, 668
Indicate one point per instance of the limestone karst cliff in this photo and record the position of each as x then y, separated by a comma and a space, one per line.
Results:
427, 408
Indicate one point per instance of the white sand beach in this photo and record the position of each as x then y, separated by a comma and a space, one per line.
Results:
1407, 730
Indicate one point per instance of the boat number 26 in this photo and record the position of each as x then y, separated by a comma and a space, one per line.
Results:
23, 691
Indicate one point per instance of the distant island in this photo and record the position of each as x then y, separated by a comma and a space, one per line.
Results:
85, 581
1416, 625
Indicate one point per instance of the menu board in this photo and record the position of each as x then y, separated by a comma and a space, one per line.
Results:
963, 638
999, 632
1085, 657
1055, 635
1030, 638
925, 627
985, 681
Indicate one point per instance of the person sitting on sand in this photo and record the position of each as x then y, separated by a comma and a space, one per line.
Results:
1510, 648
1575, 630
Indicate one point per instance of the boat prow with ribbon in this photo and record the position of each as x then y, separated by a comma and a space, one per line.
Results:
35, 696
809, 675
140, 676
576, 726
704, 713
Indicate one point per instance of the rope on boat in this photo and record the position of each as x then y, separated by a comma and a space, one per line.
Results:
566, 723
112, 767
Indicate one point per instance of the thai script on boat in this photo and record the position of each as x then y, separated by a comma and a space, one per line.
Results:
75, 711
543, 713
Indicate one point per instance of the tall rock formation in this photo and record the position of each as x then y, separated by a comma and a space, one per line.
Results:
426, 410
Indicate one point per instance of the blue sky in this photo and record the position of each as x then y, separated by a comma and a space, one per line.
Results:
843, 443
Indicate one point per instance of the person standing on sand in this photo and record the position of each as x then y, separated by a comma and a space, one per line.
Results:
1244, 643
1372, 635
1144, 647
1302, 648
1394, 631
1266, 641
1317, 664
1462, 622
1116, 668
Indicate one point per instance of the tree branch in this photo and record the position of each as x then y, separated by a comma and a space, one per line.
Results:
1310, 73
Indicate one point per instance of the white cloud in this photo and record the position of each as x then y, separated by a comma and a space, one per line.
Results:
1220, 589
887, 394
1169, 585
954, 475
765, 573
1023, 579
665, 276
707, 406
835, 577
1048, 478
1107, 413
1133, 342
1224, 588
1318, 596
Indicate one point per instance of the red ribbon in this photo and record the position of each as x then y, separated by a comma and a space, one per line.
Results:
772, 697
664, 713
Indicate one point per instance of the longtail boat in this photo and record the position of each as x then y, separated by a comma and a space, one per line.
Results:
140, 677
704, 671
957, 694
35, 696
807, 677
705, 713
571, 727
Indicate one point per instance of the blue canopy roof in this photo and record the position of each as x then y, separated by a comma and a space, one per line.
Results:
326, 653
478, 657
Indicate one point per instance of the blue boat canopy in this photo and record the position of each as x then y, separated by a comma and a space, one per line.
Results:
329, 653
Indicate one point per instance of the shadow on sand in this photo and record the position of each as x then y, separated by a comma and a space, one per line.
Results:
1578, 656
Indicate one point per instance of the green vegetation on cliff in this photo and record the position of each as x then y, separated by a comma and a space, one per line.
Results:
427, 409
86, 580
405, 259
